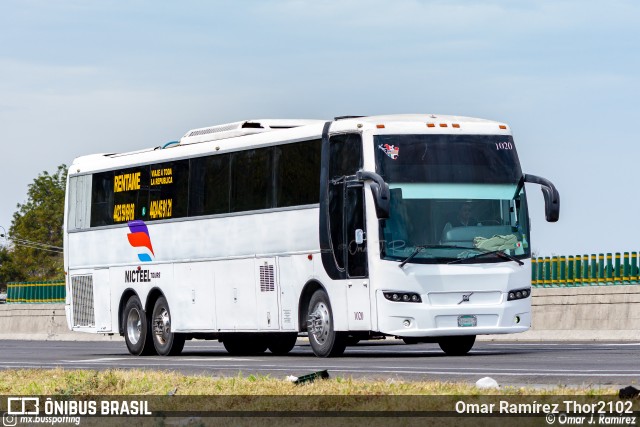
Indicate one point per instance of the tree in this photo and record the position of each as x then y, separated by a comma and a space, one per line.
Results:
36, 232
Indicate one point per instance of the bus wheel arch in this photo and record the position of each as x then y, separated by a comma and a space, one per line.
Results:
152, 297
124, 299
303, 304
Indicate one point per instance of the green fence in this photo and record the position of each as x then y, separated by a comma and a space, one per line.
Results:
36, 292
546, 272
585, 270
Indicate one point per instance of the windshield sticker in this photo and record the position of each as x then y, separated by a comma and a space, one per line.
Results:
390, 150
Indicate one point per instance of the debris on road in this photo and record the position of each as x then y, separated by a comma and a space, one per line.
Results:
487, 382
309, 377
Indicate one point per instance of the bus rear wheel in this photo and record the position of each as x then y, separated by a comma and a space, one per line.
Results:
457, 345
281, 344
324, 340
137, 331
166, 342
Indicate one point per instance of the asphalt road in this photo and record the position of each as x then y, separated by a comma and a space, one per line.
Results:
509, 363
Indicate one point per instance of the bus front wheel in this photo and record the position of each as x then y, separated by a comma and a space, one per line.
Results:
166, 342
324, 340
137, 331
457, 345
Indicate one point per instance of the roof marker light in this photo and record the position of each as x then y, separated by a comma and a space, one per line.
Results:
456, 125
443, 125
431, 125
380, 126
503, 127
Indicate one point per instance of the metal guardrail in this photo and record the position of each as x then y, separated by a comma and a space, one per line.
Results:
36, 292
585, 270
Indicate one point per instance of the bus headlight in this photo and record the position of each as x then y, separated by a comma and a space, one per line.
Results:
402, 296
517, 294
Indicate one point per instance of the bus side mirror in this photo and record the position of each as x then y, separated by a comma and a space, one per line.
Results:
380, 190
550, 194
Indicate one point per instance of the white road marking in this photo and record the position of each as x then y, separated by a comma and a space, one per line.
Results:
563, 373
586, 344
111, 359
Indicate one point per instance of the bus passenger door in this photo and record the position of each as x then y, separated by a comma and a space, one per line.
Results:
356, 258
343, 258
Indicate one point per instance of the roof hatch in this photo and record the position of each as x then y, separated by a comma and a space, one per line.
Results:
246, 127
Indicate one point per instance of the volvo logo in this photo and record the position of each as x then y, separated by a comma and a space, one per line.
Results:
465, 298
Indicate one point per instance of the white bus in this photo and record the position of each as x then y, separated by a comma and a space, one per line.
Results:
408, 226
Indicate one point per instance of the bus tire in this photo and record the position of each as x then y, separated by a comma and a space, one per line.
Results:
324, 340
166, 342
457, 345
282, 344
244, 344
137, 330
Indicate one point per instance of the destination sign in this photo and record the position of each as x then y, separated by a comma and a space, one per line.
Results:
146, 192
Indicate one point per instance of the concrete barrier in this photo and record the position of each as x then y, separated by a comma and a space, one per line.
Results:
574, 314
41, 322
582, 314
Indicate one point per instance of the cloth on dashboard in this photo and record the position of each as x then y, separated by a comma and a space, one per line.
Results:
496, 243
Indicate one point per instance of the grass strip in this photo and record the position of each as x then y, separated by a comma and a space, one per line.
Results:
159, 383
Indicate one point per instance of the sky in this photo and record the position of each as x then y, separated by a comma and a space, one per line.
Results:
90, 76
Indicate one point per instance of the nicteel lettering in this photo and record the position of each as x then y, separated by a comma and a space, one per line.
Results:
137, 276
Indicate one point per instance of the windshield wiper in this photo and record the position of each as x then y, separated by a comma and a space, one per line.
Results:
419, 249
481, 254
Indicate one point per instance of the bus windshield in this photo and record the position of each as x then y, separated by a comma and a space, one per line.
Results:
453, 197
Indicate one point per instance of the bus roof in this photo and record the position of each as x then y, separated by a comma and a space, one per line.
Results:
262, 132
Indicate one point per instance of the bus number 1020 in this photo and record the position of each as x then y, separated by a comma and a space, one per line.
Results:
504, 146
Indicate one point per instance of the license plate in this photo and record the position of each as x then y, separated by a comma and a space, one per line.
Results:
467, 321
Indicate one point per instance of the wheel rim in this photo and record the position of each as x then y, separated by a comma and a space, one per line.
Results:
162, 326
134, 326
319, 323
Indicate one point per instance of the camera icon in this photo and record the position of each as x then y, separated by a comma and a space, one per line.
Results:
9, 420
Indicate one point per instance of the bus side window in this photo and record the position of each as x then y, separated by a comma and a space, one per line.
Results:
297, 177
102, 199
251, 180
